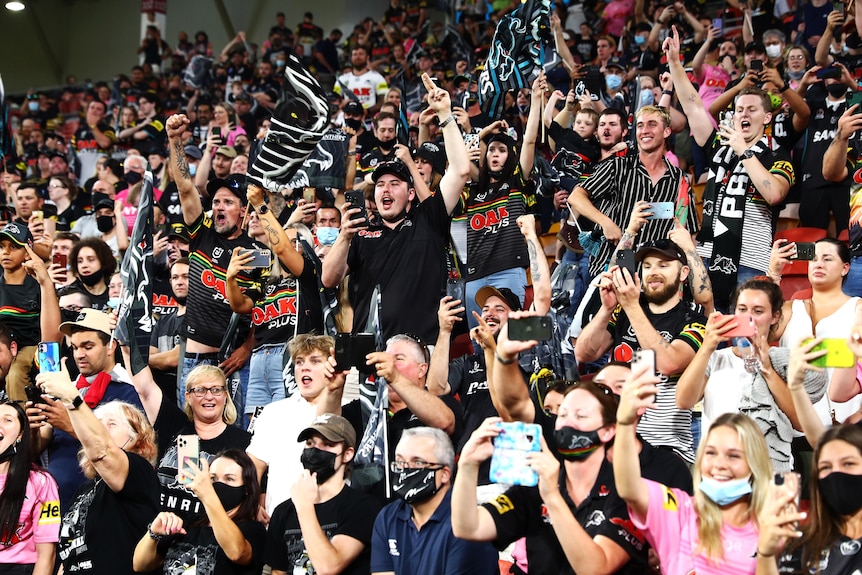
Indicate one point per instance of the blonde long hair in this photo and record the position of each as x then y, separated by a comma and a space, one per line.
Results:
757, 456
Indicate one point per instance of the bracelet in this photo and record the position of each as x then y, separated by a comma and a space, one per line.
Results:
351, 152
447, 121
153, 536
504, 361
784, 89
667, 92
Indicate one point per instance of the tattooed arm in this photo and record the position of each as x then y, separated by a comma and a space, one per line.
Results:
189, 199
698, 277
539, 270
275, 235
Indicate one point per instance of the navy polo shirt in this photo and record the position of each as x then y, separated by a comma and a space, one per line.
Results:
398, 546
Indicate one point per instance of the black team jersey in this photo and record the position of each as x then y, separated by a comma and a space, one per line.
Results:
208, 310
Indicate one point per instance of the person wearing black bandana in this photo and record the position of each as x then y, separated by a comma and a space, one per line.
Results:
747, 178
229, 539
415, 534
325, 527
573, 519
830, 542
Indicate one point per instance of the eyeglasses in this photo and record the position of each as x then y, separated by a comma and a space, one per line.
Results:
55, 186
426, 353
201, 391
399, 466
795, 57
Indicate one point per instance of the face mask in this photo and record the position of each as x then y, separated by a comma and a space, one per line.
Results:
647, 98
318, 461
92, 279
795, 75
181, 300
326, 236
105, 223
386, 146
576, 445
842, 492
776, 101
229, 495
193, 168
416, 485
613, 82
725, 492
523, 109
773, 50
836, 90
33, 106
640, 40
10, 451
279, 63
133, 178
353, 123
67, 315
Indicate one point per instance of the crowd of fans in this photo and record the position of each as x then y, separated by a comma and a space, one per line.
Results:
661, 398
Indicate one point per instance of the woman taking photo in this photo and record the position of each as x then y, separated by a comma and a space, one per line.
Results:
29, 502
228, 539
111, 511
731, 477
93, 263
225, 119
211, 415
727, 382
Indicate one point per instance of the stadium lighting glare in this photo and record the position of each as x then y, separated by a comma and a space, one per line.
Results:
14, 6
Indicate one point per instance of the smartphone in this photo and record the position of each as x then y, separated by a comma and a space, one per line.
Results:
188, 456
48, 357
471, 140
838, 7
661, 210
718, 25
744, 326
60, 260
855, 97
218, 135
309, 195
804, 251
456, 288
829, 72
530, 328
626, 260
351, 350
756, 66
261, 259
792, 483
509, 459
837, 353
580, 89
727, 119
644, 356
37, 216
34, 394
356, 199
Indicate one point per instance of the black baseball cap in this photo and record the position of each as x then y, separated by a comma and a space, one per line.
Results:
666, 248
179, 230
18, 234
503, 293
615, 62
434, 154
353, 108
755, 47
234, 182
395, 168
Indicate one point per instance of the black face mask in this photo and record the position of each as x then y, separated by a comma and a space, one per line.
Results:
68, 315
386, 146
416, 485
133, 178
576, 445
181, 300
353, 123
229, 495
10, 451
105, 223
836, 90
842, 492
318, 461
92, 279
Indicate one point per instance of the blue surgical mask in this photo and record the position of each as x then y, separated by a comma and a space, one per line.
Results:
647, 98
613, 82
725, 492
279, 63
33, 106
326, 236
640, 40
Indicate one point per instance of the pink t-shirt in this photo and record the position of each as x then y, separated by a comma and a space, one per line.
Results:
39, 520
712, 85
671, 528
130, 212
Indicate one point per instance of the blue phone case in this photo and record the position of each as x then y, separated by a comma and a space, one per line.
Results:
509, 461
48, 357
661, 211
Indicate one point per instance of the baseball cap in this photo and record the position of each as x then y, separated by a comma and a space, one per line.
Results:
18, 234
244, 97
104, 203
56, 154
666, 248
332, 427
504, 294
434, 154
179, 230
193, 152
234, 182
227, 151
353, 108
394, 167
615, 62
755, 47
89, 319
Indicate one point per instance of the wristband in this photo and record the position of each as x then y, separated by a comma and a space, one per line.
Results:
784, 89
504, 361
153, 536
351, 152
447, 121
667, 92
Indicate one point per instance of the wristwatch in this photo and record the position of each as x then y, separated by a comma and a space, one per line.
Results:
76, 403
261, 209
747, 154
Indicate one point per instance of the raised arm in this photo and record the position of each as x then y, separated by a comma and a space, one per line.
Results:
239, 260
539, 270
147, 388
335, 266
448, 314
800, 362
595, 339
49, 313
469, 520
531, 132
509, 394
698, 117
835, 159
278, 240
189, 198
692, 382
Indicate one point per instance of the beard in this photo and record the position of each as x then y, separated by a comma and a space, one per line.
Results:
663, 294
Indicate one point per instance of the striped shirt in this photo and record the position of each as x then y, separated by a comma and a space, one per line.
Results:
617, 184
665, 425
